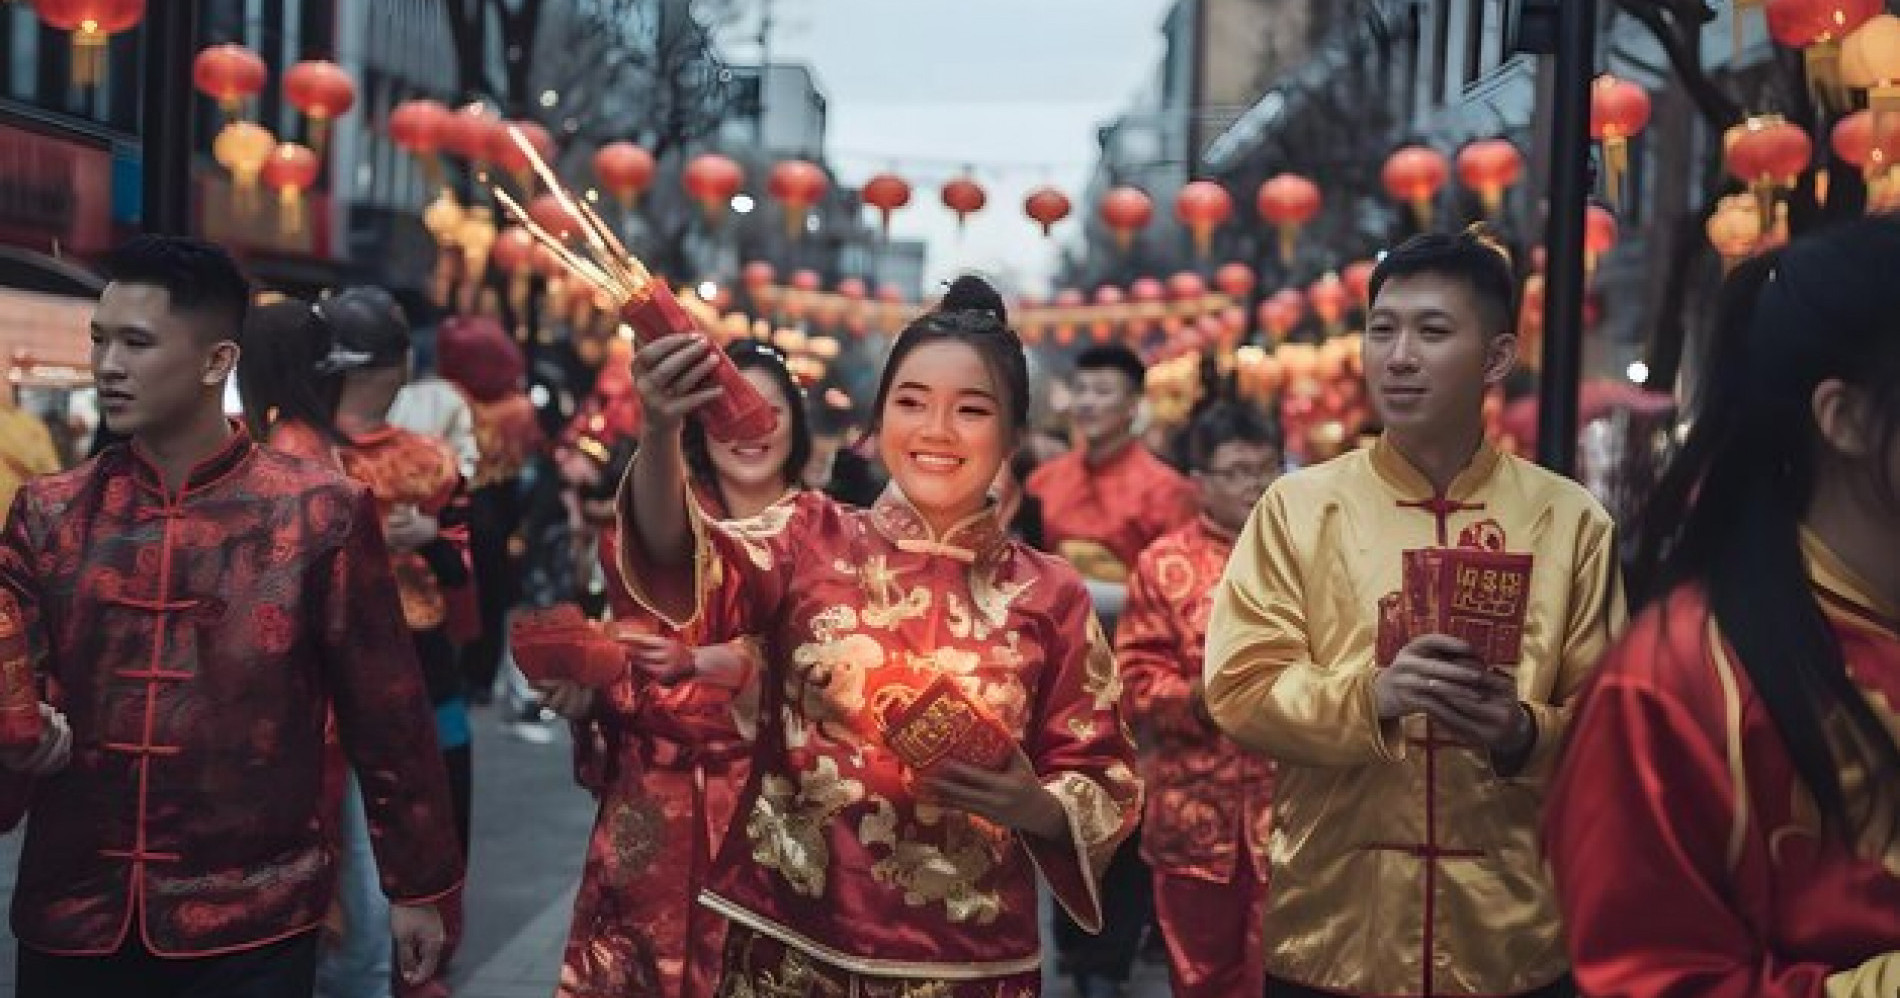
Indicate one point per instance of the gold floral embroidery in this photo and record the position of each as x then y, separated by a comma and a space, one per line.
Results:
635, 830
1094, 815
752, 534
993, 596
1102, 679
828, 678
787, 824
930, 874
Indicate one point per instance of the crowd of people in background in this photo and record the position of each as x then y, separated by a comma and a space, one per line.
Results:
1199, 702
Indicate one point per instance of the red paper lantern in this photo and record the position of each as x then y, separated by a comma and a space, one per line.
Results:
712, 180
758, 274
1126, 211
1109, 294
890, 294
886, 192
92, 23
229, 74
1203, 206
1280, 313
1329, 298
291, 171
1489, 167
964, 196
1235, 280
1799, 24
1147, 290
1599, 235
514, 250
322, 91
1358, 278
547, 212
1046, 206
1768, 150
1288, 202
1186, 286
506, 154
469, 132
807, 281
1414, 175
625, 171
853, 289
1619, 111
417, 126
797, 185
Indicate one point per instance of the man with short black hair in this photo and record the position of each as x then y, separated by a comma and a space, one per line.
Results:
199, 607
1412, 763
1209, 801
1103, 503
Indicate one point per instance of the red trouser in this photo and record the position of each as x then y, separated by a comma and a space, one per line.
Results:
1213, 932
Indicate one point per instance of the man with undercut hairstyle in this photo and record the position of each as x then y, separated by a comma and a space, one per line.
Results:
1412, 763
197, 609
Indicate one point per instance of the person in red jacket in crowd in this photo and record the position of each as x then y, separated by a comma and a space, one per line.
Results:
196, 607
1204, 834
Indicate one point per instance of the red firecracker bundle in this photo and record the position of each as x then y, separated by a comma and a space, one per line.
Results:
20, 721
558, 643
940, 724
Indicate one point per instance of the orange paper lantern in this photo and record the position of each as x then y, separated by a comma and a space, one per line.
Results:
243, 148
1619, 111
797, 185
1358, 278
92, 24
964, 196
1236, 281
1599, 235
1414, 175
1489, 167
712, 180
1126, 211
1203, 206
887, 192
1288, 202
323, 92
229, 74
1046, 206
290, 171
625, 171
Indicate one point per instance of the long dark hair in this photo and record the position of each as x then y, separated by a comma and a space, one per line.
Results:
283, 344
748, 355
971, 313
1728, 512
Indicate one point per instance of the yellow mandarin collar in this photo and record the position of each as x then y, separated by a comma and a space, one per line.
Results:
1830, 574
975, 536
1398, 472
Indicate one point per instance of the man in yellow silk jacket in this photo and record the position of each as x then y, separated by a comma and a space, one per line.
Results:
1404, 849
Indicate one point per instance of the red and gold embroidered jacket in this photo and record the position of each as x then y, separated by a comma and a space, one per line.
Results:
1208, 798
1101, 517
196, 642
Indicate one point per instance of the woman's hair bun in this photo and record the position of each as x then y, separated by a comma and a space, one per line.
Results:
971, 293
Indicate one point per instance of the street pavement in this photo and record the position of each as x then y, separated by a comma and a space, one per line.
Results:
530, 830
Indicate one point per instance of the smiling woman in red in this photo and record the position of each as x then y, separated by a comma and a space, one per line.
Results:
845, 868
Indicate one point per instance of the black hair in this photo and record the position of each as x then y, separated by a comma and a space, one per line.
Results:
371, 330
1727, 514
1114, 357
283, 345
1470, 257
1225, 422
971, 313
750, 355
201, 277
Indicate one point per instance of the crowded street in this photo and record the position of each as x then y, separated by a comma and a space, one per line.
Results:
950, 498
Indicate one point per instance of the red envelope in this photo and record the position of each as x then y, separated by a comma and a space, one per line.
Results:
940, 724
559, 643
1479, 597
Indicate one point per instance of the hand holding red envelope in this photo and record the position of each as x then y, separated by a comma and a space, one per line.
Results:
559, 644
939, 725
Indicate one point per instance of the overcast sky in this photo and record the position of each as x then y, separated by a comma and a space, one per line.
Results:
1013, 88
